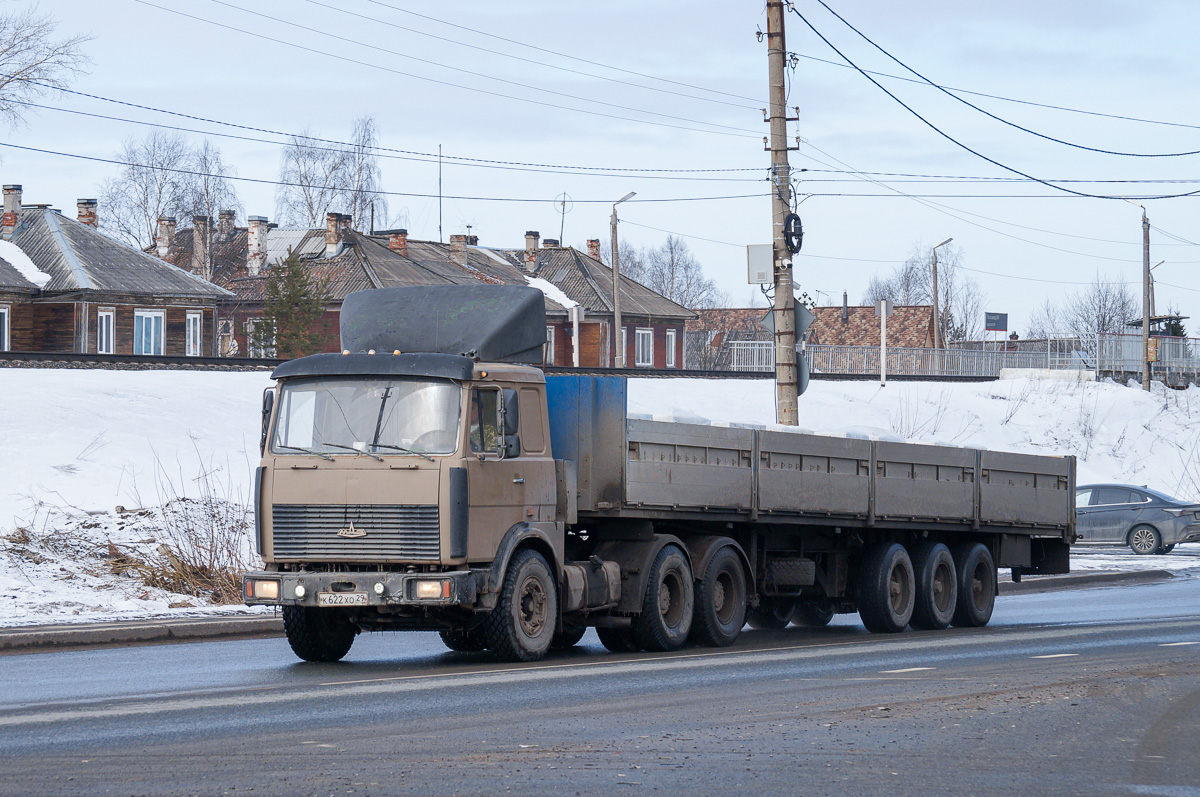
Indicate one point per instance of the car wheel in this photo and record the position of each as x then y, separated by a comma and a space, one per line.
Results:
1145, 540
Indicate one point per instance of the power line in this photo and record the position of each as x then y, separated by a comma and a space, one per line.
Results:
991, 115
680, 234
414, 76
260, 181
502, 54
955, 141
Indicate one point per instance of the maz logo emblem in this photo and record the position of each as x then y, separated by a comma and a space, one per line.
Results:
351, 531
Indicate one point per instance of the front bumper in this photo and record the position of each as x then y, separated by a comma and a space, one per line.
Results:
358, 589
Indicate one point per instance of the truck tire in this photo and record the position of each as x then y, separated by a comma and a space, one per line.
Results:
720, 601
976, 574
521, 626
464, 640
318, 634
569, 636
666, 616
937, 586
812, 615
886, 590
772, 614
618, 640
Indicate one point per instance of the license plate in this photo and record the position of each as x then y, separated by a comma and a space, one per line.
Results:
341, 599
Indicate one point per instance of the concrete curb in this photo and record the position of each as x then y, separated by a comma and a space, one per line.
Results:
43, 638
29, 639
1031, 584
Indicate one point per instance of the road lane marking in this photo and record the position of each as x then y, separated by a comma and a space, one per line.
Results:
1054, 656
1177, 644
908, 669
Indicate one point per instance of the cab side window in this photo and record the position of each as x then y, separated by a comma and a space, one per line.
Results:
485, 419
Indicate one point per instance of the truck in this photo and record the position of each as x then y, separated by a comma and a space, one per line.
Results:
431, 476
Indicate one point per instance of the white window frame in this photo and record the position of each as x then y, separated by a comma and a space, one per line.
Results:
624, 346
670, 362
193, 337
549, 358
643, 334
106, 328
253, 348
158, 330
5, 327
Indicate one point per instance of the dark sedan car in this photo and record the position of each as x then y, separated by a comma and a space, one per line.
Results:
1146, 520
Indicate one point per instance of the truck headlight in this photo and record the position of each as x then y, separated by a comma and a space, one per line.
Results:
428, 590
264, 589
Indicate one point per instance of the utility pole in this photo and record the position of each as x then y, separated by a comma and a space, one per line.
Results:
618, 344
786, 411
937, 336
1145, 301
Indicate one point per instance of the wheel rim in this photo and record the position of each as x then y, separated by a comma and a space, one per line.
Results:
670, 598
723, 589
899, 589
532, 607
1142, 541
980, 586
943, 587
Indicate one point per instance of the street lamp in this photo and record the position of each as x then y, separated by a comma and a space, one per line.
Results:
937, 335
619, 360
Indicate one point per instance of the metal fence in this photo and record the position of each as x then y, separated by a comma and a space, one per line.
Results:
1178, 359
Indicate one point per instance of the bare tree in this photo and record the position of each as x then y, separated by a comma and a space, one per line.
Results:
1103, 306
210, 189
315, 179
670, 270
33, 62
154, 182
960, 299
1045, 322
364, 199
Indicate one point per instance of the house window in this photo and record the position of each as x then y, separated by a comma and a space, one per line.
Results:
192, 342
643, 356
549, 358
105, 324
148, 332
257, 345
670, 348
5, 313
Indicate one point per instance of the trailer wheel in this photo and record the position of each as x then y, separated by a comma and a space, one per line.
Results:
569, 636
886, 588
720, 610
521, 626
772, 614
464, 640
618, 640
937, 586
976, 575
813, 615
666, 615
318, 634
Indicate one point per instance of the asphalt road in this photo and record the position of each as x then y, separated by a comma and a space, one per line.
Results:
1080, 692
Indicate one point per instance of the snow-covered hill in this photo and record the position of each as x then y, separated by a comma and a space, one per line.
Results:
88, 458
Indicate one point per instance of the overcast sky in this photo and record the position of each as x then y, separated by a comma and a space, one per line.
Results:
635, 87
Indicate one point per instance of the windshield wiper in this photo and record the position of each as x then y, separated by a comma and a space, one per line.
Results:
308, 451
352, 448
402, 448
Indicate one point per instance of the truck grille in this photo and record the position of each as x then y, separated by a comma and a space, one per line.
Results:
367, 533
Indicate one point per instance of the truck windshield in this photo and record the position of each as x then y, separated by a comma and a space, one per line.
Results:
374, 416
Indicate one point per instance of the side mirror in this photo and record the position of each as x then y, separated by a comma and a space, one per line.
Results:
512, 446
512, 413
267, 405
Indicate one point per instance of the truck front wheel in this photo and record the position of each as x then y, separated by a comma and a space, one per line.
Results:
318, 634
976, 574
521, 627
666, 616
886, 588
720, 610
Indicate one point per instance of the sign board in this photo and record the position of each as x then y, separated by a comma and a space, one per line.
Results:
995, 322
760, 264
884, 307
1152, 351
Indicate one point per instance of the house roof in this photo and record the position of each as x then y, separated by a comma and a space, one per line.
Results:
11, 280
81, 258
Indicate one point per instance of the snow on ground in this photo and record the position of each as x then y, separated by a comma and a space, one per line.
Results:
78, 444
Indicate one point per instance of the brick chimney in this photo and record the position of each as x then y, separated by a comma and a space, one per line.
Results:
256, 244
333, 229
86, 212
550, 243
531, 245
225, 224
458, 249
166, 235
594, 248
12, 209
201, 235
398, 242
